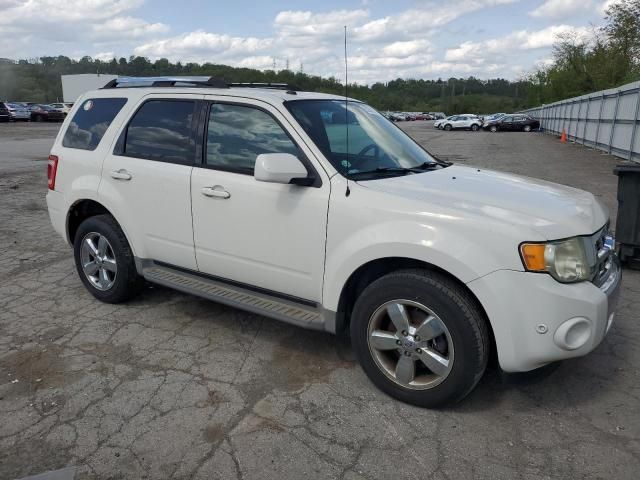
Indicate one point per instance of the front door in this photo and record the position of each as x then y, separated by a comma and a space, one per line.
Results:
265, 235
146, 179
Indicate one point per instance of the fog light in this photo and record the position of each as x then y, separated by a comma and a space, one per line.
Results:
573, 333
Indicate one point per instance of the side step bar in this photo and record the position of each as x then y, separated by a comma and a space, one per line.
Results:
290, 311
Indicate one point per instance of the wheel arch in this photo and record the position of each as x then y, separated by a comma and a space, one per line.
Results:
85, 208
375, 269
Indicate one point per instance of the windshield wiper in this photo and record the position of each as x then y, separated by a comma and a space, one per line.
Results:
401, 170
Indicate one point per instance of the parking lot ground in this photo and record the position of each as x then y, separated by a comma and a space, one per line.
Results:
172, 386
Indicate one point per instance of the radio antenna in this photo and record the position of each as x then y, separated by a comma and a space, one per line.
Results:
346, 110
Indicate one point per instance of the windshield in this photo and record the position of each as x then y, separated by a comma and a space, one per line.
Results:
374, 143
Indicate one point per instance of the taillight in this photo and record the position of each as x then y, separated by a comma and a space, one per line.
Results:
52, 169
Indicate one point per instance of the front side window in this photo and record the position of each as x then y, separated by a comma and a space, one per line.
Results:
162, 130
374, 144
237, 134
91, 121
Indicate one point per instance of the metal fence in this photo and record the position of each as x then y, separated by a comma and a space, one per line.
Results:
606, 120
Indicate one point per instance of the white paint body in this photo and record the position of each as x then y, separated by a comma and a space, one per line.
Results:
306, 242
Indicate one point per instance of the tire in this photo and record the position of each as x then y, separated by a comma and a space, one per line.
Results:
448, 127
475, 128
38, 118
113, 287
462, 348
493, 129
527, 128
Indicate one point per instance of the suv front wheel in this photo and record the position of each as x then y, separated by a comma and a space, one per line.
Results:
420, 337
104, 260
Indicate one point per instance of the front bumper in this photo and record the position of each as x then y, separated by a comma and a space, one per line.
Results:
537, 320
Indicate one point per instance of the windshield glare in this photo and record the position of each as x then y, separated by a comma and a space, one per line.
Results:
373, 141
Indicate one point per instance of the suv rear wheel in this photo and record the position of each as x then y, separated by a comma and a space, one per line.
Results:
420, 337
104, 260
475, 127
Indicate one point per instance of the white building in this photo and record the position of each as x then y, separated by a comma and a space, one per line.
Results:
75, 85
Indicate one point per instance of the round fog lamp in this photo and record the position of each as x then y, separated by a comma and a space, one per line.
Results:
573, 333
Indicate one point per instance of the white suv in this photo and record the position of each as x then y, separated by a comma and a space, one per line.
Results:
316, 210
466, 122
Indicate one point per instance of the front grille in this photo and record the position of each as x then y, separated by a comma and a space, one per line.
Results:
604, 247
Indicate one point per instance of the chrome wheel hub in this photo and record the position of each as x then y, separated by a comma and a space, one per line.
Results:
410, 344
98, 261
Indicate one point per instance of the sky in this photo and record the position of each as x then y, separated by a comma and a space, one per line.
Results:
387, 39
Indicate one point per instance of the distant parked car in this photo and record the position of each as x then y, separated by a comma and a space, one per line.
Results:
42, 113
64, 107
440, 121
18, 112
511, 123
5, 116
438, 115
457, 122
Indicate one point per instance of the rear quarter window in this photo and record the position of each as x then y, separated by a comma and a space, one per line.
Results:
91, 121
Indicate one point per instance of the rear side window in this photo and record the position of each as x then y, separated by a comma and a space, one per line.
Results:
237, 135
162, 130
91, 121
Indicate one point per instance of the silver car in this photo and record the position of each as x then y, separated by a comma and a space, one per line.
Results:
18, 112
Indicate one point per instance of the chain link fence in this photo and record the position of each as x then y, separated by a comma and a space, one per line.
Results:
606, 120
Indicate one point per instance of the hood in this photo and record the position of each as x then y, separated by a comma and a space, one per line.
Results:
554, 211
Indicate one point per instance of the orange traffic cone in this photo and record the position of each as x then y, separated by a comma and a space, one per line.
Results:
563, 137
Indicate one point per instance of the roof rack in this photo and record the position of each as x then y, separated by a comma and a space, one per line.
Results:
129, 82
275, 86
210, 82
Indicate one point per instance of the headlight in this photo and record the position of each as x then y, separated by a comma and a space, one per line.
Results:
567, 261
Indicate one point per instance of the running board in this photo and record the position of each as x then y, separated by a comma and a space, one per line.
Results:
289, 311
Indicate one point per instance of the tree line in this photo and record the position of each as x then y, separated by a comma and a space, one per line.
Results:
609, 57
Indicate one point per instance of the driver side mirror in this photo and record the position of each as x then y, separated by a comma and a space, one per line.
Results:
281, 168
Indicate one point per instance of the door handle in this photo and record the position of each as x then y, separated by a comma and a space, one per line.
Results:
218, 191
121, 174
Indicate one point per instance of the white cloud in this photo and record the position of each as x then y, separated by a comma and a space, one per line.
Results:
57, 26
128, 27
510, 44
560, 9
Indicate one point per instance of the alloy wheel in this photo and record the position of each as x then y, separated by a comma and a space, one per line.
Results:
98, 261
410, 344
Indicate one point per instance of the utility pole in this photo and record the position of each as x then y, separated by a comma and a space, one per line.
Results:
453, 93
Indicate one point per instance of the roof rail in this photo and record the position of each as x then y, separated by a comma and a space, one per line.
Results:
275, 86
211, 82
130, 82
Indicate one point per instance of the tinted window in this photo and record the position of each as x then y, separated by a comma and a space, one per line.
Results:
162, 130
238, 134
91, 121
507, 119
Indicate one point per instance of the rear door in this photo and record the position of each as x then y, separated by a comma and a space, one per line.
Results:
507, 123
146, 179
519, 121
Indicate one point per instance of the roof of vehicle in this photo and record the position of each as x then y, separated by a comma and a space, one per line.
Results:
266, 95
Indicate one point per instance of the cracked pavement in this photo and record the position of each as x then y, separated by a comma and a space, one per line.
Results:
173, 386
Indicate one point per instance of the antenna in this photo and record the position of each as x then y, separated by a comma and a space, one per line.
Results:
346, 109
